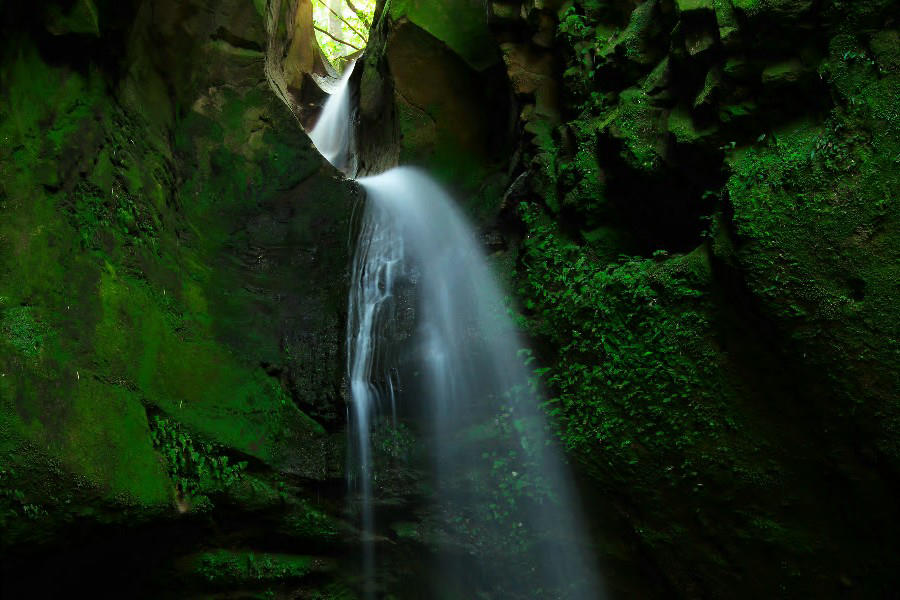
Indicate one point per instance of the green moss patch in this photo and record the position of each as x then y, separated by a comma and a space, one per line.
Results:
22, 331
815, 205
228, 567
625, 380
461, 24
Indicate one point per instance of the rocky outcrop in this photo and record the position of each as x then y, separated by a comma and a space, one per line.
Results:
169, 379
432, 93
295, 65
739, 152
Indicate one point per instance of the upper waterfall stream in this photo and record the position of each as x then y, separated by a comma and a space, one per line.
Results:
332, 134
432, 351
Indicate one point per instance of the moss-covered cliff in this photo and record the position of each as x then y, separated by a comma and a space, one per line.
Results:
173, 255
731, 381
700, 198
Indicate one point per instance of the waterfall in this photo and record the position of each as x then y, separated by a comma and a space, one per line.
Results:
333, 132
504, 513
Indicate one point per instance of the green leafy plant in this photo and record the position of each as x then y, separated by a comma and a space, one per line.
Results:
21, 329
393, 440
93, 211
13, 503
235, 567
342, 27
196, 468
621, 378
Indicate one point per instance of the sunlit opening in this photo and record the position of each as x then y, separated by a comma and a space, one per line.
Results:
342, 27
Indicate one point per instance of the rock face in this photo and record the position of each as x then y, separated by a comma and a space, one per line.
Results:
295, 65
433, 93
173, 258
723, 384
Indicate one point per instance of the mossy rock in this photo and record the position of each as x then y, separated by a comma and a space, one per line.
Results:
460, 24
244, 567
155, 220
682, 126
816, 212
635, 122
785, 73
442, 107
687, 6
773, 9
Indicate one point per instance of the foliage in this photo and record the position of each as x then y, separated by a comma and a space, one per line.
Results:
517, 460
625, 380
20, 329
582, 36
196, 468
13, 503
92, 212
348, 29
815, 209
229, 567
309, 522
393, 441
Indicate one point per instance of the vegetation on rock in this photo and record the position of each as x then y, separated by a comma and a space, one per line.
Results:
695, 203
709, 239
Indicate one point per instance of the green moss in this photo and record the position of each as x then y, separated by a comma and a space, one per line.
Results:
637, 39
815, 207
105, 309
174, 360
107, 439
784, 9
49, 119
44, 108
786, 72
98, 431
196, 468
236, 155
14, 506
22, 331
707, 95
95, 214
885, 46
260, 6
228, 567
582, 178
636, 123
694, 5
623, 379
460, 24
681, 125
749, 5
307, 522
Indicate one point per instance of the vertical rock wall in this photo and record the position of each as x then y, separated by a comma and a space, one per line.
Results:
173, 258
729, 381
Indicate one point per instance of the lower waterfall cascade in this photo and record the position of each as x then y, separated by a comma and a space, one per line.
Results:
424, 303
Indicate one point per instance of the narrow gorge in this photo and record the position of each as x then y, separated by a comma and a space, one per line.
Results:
407, 299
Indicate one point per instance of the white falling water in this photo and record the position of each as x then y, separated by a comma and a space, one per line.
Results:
333, 132
500, 484
506, 516
376, 267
